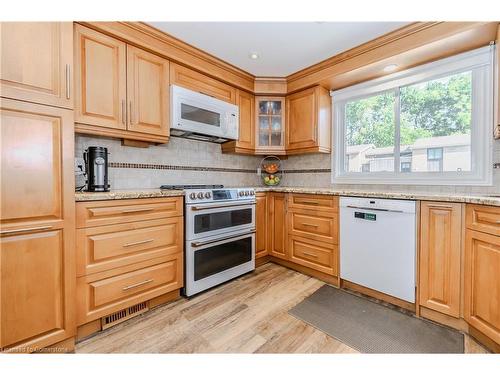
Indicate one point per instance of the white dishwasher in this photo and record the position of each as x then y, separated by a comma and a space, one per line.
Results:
378, 245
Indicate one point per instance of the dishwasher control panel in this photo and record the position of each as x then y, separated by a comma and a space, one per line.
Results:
365, 216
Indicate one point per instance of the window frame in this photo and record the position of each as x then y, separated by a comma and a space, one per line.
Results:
480, 62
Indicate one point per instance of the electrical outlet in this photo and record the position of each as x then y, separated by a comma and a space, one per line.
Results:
79, 165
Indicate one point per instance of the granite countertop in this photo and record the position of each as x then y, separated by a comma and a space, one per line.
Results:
485, 199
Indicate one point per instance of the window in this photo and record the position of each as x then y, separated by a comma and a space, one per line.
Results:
435, 159
427, 125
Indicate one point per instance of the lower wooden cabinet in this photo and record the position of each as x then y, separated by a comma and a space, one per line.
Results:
440, 256
36, 289
128, 252
261, 221
318, 255
277, 225
482, 283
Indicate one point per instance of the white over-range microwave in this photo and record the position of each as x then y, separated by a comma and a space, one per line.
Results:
202, 117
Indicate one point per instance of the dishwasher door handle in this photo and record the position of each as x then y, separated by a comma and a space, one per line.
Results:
374, 209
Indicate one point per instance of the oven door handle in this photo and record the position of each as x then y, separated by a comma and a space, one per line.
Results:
208, 207
202, 243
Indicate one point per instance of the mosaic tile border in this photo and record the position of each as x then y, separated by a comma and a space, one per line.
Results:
205, 169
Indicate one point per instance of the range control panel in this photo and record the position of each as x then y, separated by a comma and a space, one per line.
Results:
218, 195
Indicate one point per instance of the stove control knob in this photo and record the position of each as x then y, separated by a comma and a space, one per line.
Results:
192, 195
252, 192
200, 195
246, 193
208, 195
241, 193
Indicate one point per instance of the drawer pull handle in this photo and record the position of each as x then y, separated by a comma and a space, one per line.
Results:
25, 229
310, 225
310, 255
306, 202
138, 243
137, 210
138, 284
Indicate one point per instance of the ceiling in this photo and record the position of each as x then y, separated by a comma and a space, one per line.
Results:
283, 47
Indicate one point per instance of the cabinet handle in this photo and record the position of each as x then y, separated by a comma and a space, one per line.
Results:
25, 229
138, 243
310, 255
306, 202
68, 81
124, 114
131, 118
310, 225
138, 284
137, 210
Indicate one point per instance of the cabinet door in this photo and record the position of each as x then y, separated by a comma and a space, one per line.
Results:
36, 295
100, 79
147, 92
270, 115
277, 218
482, 283
37, 148
440, 257
308, 121
190, 79
246, 104
36, 61
261, 225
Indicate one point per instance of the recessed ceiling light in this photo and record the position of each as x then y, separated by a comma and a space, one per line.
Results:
390, 68
254, 55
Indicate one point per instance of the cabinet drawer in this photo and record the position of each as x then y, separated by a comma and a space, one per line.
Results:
103, 293
320, 256
317, 225
110, 246
198, 82
483, 218
97, 213
317, 202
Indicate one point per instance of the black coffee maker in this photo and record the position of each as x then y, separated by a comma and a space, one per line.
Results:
96, 167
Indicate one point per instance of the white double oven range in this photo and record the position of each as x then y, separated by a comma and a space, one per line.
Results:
219, 234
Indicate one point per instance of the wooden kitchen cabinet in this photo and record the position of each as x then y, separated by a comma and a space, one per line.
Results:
192, 80
148, 92
261, 224
277, 225
440, 256
128, 252
246, 139
37, 274
482, 279
270, 125
497, 85
308, 121
41, 70
121, 91
100, 79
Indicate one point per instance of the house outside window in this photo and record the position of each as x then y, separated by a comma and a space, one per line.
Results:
426, 125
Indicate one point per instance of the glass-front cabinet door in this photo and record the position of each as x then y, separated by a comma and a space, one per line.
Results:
270, 124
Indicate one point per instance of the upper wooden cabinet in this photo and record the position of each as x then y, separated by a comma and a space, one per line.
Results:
190, 79
121, 91
37, 62
37, 276
100, 79
246, 140
440, 256
270, 125
148, 92
308, 121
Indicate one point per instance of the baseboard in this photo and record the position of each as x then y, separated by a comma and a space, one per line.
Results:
378, 295
262, 260
329, 279
438, 317
484, 340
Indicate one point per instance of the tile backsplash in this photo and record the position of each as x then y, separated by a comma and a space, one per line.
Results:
180, 161
183, 161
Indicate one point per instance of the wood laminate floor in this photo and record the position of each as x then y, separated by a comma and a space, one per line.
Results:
247, 315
